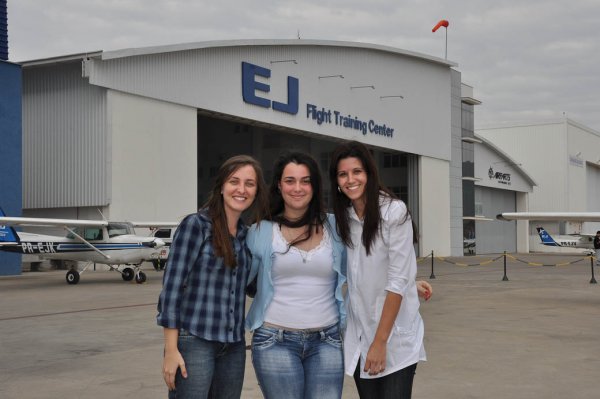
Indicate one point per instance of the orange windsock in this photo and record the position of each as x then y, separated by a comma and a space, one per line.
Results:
443, 23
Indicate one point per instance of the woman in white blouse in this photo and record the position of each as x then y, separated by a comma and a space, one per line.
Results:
384, 338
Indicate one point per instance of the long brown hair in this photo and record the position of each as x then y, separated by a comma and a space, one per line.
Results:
216, 209
373, 189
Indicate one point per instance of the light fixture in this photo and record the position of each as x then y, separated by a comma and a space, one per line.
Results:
331, 76
362, 87
279, 61
396, 96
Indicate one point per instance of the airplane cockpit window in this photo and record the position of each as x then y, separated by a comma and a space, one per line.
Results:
163, 233
119, 229
92, 233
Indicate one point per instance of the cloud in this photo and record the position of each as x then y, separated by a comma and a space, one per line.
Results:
525, 59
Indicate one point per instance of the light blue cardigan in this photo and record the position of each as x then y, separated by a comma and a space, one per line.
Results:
260, 242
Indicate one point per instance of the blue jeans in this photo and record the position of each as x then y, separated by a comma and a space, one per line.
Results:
298, 364
215, 369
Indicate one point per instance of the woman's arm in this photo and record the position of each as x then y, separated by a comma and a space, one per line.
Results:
172, 359
376, 357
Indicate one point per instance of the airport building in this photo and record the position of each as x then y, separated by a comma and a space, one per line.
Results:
563, 158
139, 133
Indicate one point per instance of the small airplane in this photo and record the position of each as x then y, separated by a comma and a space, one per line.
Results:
584, 241
91, 241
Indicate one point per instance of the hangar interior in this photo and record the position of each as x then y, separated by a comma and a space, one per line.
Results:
220, 138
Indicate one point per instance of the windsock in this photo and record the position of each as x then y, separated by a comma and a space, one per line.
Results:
443, 23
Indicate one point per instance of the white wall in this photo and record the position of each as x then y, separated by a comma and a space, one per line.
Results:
153, 165
434, 206
541, 151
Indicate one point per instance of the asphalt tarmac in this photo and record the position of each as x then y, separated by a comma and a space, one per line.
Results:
536, 335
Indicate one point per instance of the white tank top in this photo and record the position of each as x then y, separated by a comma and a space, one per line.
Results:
304, 285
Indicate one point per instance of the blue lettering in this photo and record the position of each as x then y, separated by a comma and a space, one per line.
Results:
250, 85
292, 101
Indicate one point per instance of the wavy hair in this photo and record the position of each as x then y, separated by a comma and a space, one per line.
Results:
216, 208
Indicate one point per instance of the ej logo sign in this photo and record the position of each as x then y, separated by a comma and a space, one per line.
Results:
250, 86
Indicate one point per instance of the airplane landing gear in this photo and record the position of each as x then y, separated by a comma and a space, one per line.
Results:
140, 277
72, 277
127, 274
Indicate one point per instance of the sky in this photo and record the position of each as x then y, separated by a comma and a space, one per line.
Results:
528, 60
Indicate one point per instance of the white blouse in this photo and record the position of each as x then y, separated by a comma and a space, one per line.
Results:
392, 267
304, 285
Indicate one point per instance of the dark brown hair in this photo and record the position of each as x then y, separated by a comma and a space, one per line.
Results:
373, 189
216, 210
315, 214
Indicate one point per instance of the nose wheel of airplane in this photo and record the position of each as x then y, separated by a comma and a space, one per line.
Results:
140, 277
127, 274
72, 277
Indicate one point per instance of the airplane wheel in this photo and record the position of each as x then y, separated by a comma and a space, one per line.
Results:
127, 274
161, 264
72, 277
140, 278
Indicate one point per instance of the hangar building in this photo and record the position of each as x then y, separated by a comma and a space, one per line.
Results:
563, 157
139, 133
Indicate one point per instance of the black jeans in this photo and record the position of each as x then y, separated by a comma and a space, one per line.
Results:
397, 385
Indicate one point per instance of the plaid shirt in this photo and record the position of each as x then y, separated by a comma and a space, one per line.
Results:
200, 293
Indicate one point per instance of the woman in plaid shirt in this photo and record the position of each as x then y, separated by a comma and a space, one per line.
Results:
201, 306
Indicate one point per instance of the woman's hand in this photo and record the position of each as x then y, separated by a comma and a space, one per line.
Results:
424, 289
171, 362
375, 362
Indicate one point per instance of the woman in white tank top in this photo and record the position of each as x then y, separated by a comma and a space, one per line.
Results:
298, 309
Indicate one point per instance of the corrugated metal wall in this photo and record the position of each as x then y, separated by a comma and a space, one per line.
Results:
65, 140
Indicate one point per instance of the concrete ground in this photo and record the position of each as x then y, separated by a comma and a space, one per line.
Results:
534, 336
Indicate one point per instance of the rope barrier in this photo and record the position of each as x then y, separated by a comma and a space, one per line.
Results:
504, 256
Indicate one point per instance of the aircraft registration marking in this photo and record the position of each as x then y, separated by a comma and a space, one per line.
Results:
38, 248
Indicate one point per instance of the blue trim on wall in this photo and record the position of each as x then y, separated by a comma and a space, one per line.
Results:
11, 188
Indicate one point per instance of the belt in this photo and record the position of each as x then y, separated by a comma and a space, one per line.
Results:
304, 330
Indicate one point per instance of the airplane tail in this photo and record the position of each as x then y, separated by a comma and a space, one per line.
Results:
7, 233
547, 238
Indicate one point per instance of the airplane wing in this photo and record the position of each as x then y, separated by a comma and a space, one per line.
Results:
155, 224
20, 221
551, 216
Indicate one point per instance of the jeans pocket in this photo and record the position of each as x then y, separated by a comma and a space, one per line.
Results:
334, 338
263, 338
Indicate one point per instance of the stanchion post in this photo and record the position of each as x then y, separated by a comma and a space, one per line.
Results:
593, 280
432, 275
505, 278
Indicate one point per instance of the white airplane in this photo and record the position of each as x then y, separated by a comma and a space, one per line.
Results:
91, 241
585, 241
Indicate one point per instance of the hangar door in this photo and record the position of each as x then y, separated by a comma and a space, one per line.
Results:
494, 236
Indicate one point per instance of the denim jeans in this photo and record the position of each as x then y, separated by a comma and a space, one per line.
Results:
297, 364
397, 385
215, 369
